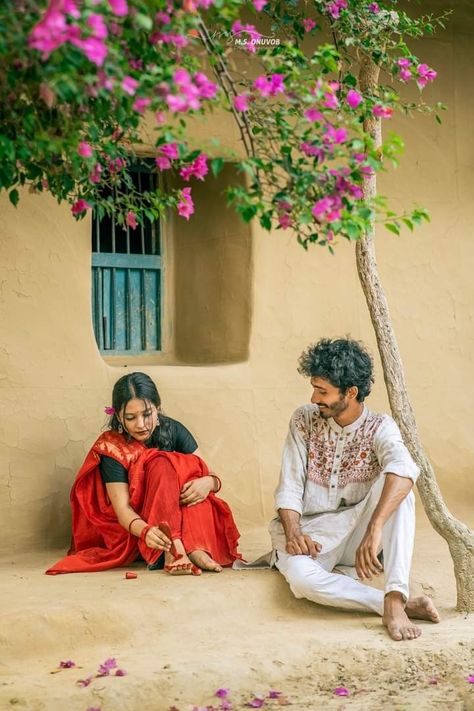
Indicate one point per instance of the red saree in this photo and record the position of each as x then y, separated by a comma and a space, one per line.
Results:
155, 479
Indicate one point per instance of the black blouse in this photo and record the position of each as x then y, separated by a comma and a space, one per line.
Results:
181, 440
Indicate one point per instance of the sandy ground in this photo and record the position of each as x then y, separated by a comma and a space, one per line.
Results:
181, 639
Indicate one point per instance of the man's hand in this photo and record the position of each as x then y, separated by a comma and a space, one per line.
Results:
299, 544
367, 564
195, 491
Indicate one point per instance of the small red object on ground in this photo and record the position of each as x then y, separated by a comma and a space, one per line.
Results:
129, 575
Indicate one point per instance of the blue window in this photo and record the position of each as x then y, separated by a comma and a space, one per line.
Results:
127, 280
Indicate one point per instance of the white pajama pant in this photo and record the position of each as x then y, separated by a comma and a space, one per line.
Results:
314, 579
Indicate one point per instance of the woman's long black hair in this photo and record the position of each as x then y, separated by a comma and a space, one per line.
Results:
141, 386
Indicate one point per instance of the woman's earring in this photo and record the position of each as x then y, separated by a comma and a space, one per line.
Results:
120, 429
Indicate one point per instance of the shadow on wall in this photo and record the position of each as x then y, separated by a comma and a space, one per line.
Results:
212, 277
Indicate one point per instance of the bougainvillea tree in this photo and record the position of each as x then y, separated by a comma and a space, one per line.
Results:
309, 86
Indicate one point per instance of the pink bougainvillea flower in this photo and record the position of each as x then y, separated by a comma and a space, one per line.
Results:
160, 118
251, 44
119, 7
382, 111
163, 163
284, 205
186, 205
111, 663
313, 115
170, 150
141, 104
129, 84
109, 410
241, 102
341, 691
163, 17
198, 168
80, 206
206, 88
308, 24
121, 672
256, 703
272, 694
425, 75
470, 679
51, 31
176, 103
259, 4
321, 206
269, 86
85, 149
84, 682
284, 221
97, 25
353, 98
69, 664
222, 693
405, 74
335, 135
373, 7
330, 101
334, 8
131, 221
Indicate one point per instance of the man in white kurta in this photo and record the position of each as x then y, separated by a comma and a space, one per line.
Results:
345, 494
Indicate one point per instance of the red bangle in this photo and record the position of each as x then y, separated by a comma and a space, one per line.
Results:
219, 483
137, 518
143, 533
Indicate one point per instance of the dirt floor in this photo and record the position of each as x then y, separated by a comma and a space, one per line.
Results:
181, 639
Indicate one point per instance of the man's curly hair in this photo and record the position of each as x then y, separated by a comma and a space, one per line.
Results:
343, 362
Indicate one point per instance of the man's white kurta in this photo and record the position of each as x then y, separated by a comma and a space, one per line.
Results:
328, 470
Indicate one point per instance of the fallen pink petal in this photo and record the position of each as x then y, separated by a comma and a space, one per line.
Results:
256, 703
121, 672
69, 664
470, 679
84, 682
432, 680
222, 693
341, 691
272, 694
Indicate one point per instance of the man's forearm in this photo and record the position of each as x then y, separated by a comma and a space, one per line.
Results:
290, 521
395, 489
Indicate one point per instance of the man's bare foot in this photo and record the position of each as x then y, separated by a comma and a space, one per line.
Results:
422, 608
204, 561
396, 619
181, 565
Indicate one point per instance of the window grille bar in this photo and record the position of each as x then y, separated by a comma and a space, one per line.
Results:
142, 227
100, 309
128, 312
113, 296
113, 229
143, 308
97, 232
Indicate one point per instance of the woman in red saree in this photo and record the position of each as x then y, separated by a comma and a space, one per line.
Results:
143, 489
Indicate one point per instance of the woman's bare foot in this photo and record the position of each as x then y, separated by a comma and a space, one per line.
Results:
181, 565
204, 561
396, 619
422, 608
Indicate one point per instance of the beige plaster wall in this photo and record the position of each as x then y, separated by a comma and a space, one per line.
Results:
54, 383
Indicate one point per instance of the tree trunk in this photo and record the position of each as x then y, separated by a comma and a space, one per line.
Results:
458, 536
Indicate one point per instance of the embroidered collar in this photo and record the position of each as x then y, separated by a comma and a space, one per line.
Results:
349, 428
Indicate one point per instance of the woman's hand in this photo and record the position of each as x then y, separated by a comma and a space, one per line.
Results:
155, 538
197, 490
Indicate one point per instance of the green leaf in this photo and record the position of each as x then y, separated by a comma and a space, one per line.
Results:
393, 227
14, 197
408, 223
143, 21
216, 165
266, 221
